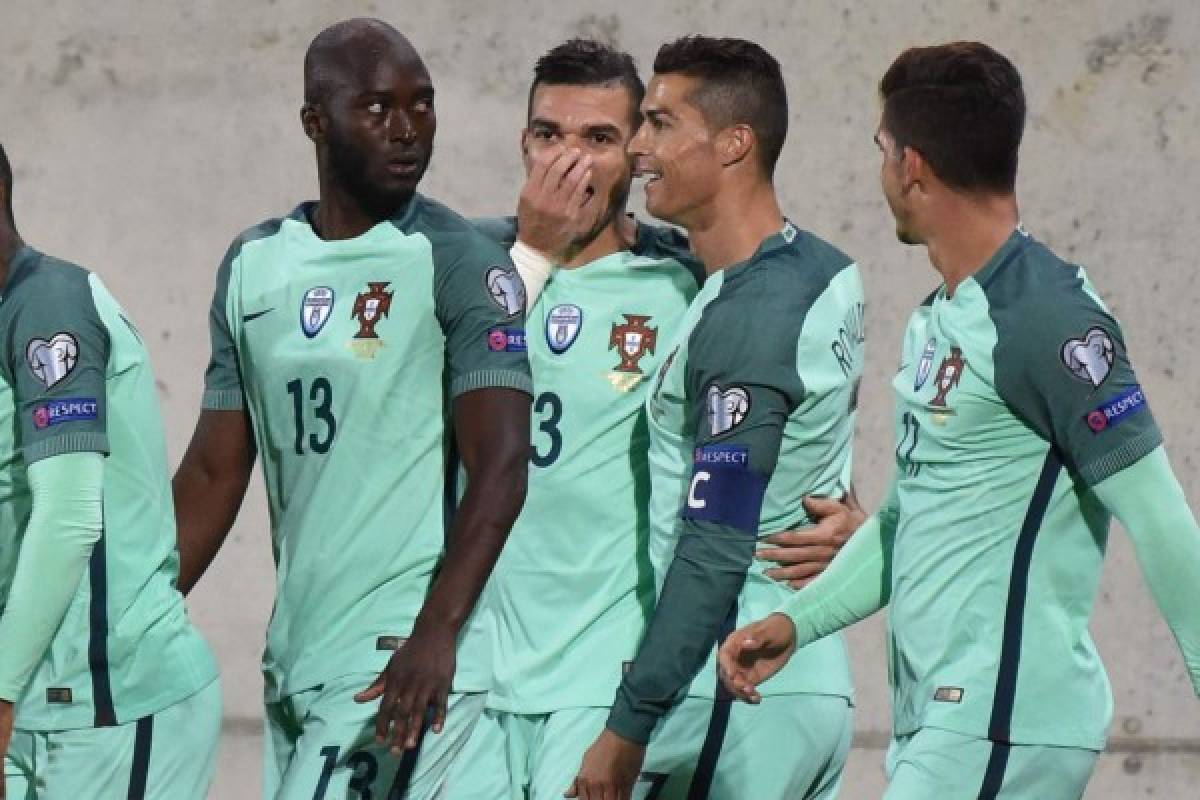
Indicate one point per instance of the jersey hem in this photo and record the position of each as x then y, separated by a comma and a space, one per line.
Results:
1081, 742
90, 442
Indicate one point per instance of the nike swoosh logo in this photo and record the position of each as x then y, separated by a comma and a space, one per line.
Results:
255, 315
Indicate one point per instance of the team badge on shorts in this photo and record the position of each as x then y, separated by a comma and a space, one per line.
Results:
52, 360
506, 289
948, 376
369, 308
1090, 358
563, 324
726, 407
315, 310
926, 364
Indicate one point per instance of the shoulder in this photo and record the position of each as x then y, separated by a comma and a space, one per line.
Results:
786, 281
501, 230
263, 230
47, 281
669, 246
453, 237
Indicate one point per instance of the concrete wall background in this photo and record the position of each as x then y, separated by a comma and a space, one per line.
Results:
145, 135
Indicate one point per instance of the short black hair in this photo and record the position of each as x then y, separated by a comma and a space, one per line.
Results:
741, 84
961, 106
6, 179
587, 62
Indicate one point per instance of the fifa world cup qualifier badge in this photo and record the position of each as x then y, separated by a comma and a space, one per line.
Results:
632, 340
370, 307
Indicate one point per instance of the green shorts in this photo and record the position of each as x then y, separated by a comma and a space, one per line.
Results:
787, 748
951, 766
320, 745
171, 755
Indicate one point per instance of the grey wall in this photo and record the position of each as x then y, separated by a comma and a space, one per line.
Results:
145, 135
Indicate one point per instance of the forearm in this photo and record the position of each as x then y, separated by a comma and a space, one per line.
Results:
855, 585
482, 522
1149, 502
65, 523
700, 591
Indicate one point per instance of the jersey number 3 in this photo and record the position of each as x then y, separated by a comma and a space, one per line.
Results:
320, 395
548, 403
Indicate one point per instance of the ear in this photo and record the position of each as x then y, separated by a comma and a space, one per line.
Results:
914, 170
310, 119
735, 143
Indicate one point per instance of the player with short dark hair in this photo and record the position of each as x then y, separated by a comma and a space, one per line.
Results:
106, 688
1021, 432
751, 411
365, 345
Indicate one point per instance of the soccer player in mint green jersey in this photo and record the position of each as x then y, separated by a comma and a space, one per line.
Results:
106, 688
1021, 430
362, 345
571, 593
752, 409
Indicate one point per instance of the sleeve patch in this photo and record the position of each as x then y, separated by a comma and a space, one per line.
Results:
726, 407
52, 361
506, 289
67, 409
724, 489
506, 340
1089, 358
1116, 410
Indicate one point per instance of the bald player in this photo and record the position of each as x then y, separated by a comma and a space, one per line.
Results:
106, 688
345, 338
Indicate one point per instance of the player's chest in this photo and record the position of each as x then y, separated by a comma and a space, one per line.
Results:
604, 345
312, 314
947, 405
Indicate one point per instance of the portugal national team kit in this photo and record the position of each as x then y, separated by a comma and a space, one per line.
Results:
346, 354
1015, 398
126, 701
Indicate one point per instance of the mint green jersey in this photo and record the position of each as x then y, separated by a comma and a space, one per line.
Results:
76, 377
573, 589
752, 410
1016, 396
347, 354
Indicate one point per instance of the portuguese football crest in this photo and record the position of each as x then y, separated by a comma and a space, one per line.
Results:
370, 307
948, 376
632, 340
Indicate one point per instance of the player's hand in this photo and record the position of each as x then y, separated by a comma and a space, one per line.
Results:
415, 682
804, 554
752, 654
609, 770
557, 206
7, 719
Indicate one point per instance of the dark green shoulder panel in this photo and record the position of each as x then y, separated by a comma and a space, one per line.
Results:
501, 230
662, 242
43, 291
1062, 366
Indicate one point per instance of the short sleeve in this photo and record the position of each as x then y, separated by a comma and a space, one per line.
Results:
223, 379
1066, 372
481, 308
57, 355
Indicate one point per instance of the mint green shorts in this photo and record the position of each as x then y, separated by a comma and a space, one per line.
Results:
788, 748
171, 755
320, 745
934, 763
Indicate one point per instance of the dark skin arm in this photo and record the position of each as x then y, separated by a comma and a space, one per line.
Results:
209, 487
492, 431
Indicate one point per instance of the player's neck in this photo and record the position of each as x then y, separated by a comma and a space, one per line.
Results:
618, 235
342, 215
10, 244
968, 233
730, 230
